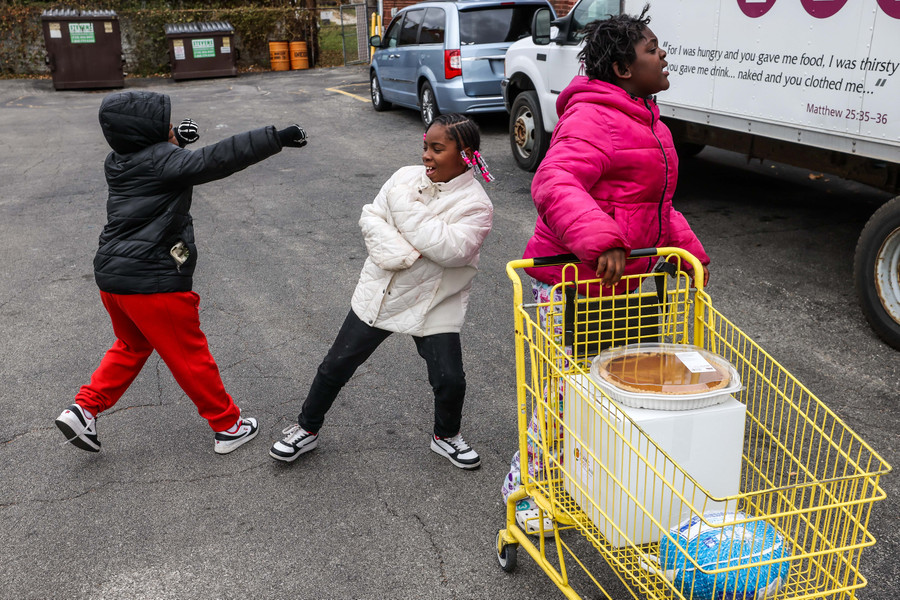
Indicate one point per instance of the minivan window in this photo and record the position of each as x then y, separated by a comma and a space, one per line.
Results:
495, 24
409, 31
432, 31
392, 35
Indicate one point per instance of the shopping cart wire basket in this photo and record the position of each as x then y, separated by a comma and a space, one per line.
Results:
790, 523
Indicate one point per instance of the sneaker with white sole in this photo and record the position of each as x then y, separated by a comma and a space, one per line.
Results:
79, 428
296, 441
229, 442
456, 450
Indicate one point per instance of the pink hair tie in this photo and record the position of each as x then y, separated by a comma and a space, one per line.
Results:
482, 166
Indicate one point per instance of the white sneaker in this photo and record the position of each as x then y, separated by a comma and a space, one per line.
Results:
229, 442
456, 450
78, 428
297, 441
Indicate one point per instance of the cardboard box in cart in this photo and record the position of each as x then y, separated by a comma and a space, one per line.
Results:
623, 443
811, 83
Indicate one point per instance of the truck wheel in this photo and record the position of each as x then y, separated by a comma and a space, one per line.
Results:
527, 138
876, 272
428, 104
378, 101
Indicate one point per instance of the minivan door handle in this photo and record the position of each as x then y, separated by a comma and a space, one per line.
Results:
393, 56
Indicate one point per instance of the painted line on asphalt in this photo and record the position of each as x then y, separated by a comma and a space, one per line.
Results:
339, 91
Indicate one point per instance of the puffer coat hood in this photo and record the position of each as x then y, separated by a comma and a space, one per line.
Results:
606, 182
150, 183
134, 120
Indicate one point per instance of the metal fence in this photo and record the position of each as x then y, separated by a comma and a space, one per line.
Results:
355, 33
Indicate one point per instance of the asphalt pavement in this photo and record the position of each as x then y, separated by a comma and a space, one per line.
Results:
371, 513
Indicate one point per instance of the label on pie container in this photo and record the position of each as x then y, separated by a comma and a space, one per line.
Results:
695, 362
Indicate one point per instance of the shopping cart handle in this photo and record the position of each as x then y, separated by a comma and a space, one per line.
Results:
559, 259
643, 252
563, 259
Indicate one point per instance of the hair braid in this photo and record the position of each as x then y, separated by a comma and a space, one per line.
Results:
466, 134
611, 41
462, 129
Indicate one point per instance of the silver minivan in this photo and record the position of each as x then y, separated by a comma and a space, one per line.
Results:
441, 57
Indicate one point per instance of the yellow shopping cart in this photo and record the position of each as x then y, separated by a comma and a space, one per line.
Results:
792, 525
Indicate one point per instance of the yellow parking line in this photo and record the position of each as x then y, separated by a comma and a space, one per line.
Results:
360, 98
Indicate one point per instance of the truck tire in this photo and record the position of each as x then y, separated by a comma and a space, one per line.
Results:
527, 138
876, 272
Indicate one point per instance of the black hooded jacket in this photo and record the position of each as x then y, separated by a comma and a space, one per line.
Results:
150, 188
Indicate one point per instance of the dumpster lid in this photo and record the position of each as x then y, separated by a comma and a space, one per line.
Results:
199, 27
77, 12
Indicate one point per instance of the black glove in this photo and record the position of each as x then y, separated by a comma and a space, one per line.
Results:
187, 133
292, 136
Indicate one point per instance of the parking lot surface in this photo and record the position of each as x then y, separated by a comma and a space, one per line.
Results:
371, 513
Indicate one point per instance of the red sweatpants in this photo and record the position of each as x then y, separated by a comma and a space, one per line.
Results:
170, 324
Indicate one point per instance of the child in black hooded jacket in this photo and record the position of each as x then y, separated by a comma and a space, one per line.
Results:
145, 262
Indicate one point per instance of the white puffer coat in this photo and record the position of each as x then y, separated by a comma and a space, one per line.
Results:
423, 239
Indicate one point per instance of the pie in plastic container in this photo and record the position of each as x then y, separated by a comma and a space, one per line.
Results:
663, 376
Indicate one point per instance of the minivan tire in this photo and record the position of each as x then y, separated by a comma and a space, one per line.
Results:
428, 104
378, 101
527, 138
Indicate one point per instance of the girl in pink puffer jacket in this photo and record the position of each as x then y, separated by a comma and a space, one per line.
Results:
606, 184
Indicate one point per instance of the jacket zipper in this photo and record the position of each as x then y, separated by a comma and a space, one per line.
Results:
666, 180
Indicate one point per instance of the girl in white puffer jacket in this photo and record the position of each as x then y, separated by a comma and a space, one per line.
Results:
423, 233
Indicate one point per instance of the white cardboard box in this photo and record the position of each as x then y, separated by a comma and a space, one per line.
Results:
705, 442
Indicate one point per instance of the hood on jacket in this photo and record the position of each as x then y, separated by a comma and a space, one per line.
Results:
134, 120
582, 89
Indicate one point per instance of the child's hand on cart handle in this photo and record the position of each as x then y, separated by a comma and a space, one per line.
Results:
705, 276
611, 266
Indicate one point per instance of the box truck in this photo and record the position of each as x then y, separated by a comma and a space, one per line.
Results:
810, 83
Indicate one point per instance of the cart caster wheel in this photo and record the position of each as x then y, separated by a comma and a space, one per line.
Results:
507, 555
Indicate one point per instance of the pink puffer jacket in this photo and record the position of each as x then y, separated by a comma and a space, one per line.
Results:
607, 182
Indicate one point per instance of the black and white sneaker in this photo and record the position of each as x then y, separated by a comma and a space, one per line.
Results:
78, 428
231, 440
297, 441
456, 450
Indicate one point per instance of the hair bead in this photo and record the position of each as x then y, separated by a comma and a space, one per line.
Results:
482, 166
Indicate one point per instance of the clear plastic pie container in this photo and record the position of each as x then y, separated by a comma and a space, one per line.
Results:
665, 376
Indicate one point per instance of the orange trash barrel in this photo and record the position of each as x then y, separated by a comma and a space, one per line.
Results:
299, 56
278, 55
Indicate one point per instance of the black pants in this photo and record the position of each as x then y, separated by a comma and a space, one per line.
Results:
356, 341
